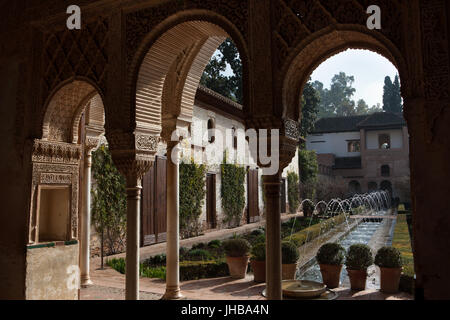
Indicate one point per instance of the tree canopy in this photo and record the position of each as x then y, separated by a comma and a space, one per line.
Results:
214, 76
337, 101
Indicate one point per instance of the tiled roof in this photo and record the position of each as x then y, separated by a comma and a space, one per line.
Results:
338, 124
383, 119
355, 123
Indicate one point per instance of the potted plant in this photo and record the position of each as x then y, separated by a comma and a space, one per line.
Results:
258, 262
389, 260
330, 258
237, 253
289, 256
358, 259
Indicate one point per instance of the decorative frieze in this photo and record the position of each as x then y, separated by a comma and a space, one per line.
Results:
56, 152
55, 178
146, 142
292, 129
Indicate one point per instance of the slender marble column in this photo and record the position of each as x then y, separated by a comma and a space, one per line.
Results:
86, 222
173, 224
133, 226
272, 187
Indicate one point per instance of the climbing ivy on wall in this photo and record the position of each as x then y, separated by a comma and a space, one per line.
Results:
192, 197
293, 191
109, 203
232, 192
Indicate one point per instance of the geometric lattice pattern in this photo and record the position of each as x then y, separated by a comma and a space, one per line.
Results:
70, 53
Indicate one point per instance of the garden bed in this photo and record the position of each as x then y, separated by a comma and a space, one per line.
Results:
402, 242
207, 260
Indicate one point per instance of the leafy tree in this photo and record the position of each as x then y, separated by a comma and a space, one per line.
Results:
336, 101
214, 76
310, 108
307, 160
376, 108
108, 202
362, 107
293, 191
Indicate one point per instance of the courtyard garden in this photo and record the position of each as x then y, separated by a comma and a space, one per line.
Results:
208, 260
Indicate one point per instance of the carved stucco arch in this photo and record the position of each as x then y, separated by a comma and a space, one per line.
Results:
169, 64
317, 48
64, 107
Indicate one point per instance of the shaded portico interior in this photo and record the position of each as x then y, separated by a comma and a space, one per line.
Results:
144, 61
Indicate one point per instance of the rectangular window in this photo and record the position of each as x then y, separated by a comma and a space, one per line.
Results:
384, 141
354, 146
53, 213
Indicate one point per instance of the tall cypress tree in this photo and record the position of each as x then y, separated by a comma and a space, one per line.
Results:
392, 99
396, 96
387, 94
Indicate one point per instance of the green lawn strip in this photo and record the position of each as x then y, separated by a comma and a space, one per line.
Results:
402, 242
314, 231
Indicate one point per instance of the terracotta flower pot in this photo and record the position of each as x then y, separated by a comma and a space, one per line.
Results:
238, 266
357, 279
288, 271
259, 270
331, 275
390, 279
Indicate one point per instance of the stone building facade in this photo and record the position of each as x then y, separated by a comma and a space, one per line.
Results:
144, 60
369, 152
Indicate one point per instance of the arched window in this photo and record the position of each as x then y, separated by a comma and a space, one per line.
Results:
384, 141
385, 171
354, 187
211, 127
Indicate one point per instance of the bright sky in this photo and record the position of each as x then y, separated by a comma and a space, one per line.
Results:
368, 68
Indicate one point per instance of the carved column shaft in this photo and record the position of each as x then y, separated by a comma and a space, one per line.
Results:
272, 187
86, 221
173, 224
133, 231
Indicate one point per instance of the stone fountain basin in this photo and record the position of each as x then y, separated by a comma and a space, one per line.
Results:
302, 289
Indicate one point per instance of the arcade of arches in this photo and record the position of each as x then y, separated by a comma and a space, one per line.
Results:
130, 75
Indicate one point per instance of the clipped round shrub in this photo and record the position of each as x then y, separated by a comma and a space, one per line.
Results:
214, 244
257, 232
236, 247
289, 252
358, 257
331, 253
260, 238
159, 259
198, 254
183, 251
259, 252
388, 257
200, 245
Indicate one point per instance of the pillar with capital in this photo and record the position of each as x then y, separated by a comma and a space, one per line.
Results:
173, 223
133, 154
90, 145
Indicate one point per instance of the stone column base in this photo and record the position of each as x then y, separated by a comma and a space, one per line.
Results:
172, 294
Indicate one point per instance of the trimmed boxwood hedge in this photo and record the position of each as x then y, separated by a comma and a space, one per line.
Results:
308, 234
189, 270
194, 270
